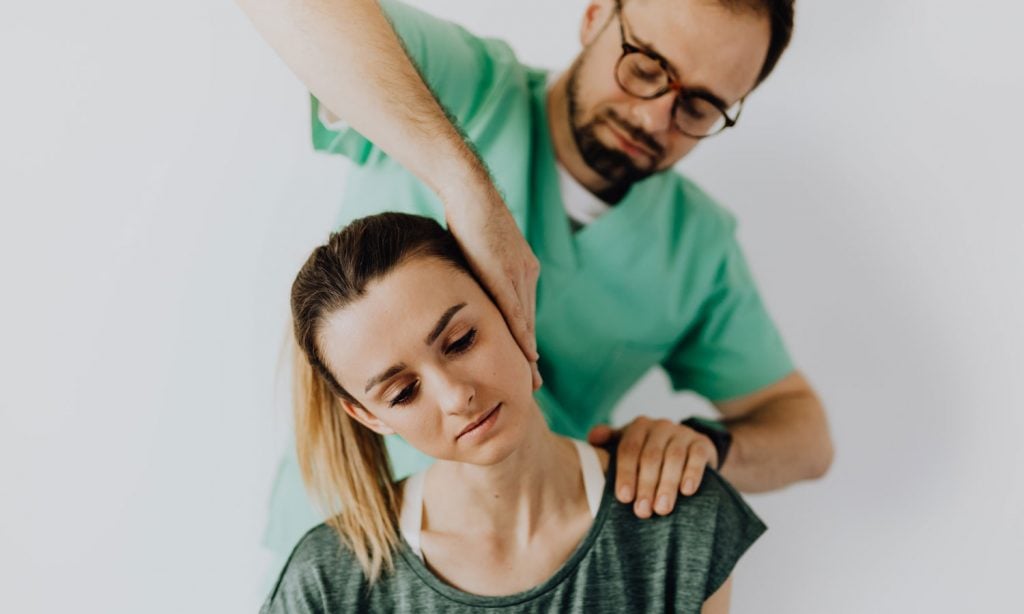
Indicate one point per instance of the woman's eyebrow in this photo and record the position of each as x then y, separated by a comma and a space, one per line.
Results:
442, 322
387, 374
393, 370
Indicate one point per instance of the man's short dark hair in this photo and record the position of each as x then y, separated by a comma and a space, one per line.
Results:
780, 12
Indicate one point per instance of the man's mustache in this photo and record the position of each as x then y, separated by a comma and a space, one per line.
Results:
635, 133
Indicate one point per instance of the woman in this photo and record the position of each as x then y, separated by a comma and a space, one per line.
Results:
400, 338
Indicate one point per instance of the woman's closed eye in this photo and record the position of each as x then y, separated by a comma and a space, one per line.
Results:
405, 394
457, 347
461, 344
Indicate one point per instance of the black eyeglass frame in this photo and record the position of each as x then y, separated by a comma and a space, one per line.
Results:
671, 83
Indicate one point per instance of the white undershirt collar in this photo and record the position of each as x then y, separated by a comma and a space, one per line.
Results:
580, 203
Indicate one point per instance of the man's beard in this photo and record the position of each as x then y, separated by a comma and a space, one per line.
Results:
615, 166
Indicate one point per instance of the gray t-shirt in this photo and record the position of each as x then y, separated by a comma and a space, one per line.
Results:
624, 564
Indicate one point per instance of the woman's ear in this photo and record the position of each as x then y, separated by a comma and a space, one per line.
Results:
595, 17
365, 417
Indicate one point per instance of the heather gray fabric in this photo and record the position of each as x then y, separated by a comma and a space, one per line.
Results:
624, 564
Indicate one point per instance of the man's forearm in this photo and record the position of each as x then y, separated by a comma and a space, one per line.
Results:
783, 440
349, 57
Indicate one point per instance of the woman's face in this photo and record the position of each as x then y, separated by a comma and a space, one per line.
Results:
429, 356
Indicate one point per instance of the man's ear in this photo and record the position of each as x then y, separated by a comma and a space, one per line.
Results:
595, 17
365, 417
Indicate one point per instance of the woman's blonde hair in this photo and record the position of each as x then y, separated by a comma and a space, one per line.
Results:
344, 464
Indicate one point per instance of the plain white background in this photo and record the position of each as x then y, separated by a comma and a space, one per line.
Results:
159, 191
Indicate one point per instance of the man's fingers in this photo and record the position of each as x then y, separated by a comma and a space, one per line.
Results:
651, 459
538, 381
508, 302
697, 459
600, 435
527, 291
628, 457
671, 476
501, 257
511, 303
521, 279
508, 268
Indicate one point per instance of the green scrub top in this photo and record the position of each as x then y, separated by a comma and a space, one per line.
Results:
657, 280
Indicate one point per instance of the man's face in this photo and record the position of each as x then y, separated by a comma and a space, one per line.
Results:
624, 138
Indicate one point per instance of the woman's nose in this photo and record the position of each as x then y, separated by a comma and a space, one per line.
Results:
456, 394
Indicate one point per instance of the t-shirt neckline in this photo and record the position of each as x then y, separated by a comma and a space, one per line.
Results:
561, 574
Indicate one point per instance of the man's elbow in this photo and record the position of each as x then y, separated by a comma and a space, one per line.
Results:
820, 461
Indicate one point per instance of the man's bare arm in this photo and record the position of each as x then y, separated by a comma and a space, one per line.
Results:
349, 57
780, 436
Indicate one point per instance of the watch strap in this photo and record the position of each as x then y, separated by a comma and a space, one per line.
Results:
720, 436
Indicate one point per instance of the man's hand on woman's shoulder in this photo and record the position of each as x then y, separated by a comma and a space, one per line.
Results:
657, 460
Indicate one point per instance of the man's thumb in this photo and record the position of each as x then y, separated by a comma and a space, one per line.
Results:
600, 434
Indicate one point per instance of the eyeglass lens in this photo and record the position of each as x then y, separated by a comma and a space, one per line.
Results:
644, 77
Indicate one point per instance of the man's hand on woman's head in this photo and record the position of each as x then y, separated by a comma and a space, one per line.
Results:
502, 260
657, 461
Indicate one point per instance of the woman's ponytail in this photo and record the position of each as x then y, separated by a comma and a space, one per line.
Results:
346, 469
344, 464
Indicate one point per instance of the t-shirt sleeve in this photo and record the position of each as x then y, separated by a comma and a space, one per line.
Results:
319, 574
736, 529
293, 599
455, 64
296, 590
733, 348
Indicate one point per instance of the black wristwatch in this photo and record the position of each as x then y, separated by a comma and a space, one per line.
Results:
716, 432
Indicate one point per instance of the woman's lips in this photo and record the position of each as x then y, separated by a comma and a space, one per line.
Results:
482, 425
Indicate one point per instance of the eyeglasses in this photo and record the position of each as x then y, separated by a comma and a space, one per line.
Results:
645, 74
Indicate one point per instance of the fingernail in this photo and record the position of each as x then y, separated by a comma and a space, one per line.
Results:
643, 508
625, 494
663, 504
688, 486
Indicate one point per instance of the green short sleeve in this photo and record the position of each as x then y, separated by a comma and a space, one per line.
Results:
458, 67
338, 139
733, 348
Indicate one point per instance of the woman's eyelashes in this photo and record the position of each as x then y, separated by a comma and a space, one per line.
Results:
405, 395
455, 348
461, 344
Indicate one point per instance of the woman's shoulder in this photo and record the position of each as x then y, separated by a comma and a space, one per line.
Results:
709, 530
730, 528
716, 507
715, 500
715, 497
321, 544
715, 487
320, 569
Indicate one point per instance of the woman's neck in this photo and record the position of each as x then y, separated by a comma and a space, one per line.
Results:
539, 483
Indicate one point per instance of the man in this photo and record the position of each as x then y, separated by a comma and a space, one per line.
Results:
638, 266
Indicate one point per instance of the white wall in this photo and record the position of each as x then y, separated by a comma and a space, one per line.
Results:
158, 192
